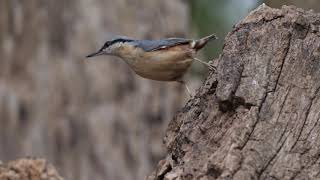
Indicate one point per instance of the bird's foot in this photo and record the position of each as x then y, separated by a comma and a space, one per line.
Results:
209, 65
212, 67
186, 86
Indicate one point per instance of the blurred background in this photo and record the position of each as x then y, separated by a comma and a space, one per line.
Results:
96, 119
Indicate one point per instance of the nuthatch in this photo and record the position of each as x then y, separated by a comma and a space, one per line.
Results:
161, 60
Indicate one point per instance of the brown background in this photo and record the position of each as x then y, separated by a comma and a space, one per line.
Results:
91, 119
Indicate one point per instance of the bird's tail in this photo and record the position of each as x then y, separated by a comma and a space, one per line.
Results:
199, 44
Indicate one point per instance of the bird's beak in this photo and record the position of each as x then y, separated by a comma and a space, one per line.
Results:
100, 52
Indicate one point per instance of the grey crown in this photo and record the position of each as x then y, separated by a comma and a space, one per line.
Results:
151, 45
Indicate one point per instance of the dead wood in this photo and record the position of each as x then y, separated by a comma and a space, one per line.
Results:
258, 116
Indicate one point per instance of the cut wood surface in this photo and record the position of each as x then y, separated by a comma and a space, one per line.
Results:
258, 116
28, 169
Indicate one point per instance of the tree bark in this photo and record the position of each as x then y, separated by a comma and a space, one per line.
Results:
258, 116
28, 169
305, 4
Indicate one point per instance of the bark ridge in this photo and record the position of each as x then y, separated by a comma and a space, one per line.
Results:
258, 116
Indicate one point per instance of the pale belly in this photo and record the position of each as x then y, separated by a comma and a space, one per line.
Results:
164, 72
164, 67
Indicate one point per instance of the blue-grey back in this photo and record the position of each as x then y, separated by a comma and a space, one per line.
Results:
153, 45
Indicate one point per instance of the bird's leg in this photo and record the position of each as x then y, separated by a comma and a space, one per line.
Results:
186, 86
210, 66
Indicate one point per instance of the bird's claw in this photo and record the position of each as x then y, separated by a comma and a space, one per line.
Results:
211, 66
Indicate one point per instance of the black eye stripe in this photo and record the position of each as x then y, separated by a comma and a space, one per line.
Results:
107, 44
110, 43
121, 40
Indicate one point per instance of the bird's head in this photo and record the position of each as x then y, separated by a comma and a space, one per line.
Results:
112, 47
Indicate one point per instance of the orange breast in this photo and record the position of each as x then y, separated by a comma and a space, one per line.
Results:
167, 64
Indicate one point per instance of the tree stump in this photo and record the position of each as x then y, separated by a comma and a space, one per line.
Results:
258, 116
28, 169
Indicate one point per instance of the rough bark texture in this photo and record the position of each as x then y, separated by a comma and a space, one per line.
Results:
28, 169
92, 119
258, 116
305, 4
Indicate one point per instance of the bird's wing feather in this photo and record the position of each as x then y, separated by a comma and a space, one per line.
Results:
153, 45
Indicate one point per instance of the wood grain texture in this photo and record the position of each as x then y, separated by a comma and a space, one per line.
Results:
28, 169
258, 116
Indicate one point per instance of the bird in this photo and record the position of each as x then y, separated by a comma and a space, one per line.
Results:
160, 60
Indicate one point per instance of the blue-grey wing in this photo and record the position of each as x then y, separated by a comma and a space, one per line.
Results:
153, 45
